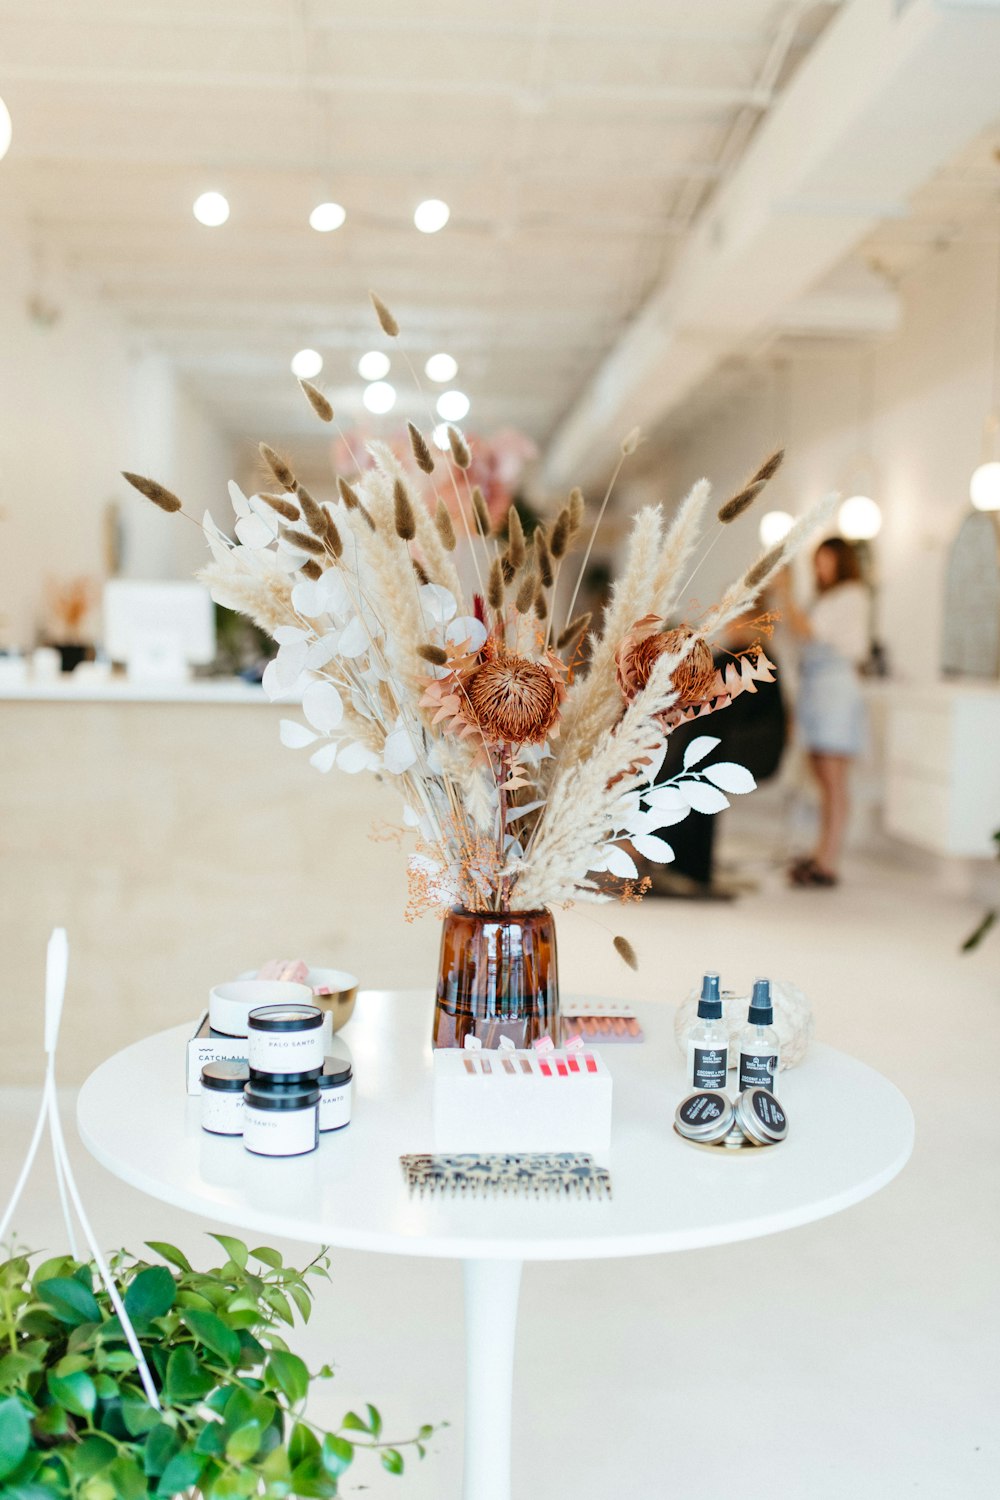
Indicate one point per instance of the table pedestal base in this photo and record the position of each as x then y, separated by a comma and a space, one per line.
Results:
491, 1292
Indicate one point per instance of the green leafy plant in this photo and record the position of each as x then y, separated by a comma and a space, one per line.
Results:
989, 918
74, 1419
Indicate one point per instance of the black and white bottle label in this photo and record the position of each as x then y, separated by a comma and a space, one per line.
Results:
757, 1070
710, 1067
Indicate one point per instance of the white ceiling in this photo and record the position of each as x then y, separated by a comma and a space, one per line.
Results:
574, 140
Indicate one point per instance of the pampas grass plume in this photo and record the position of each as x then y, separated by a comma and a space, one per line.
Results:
543, 558
283, 507
445, 530
525, 596
421, 452
481, 511
459, 448
626, 952
386, 321
434, 654
494, 590
303, 541
515, 538
159, 495
317, 401
402, 512
559, 540
278, 467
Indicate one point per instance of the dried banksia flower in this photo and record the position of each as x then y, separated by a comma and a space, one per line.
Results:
434, 655
763, 565
278, 467
494, 589
159, 495
421, 452
283, 507
459, 448
314, 515
559, 540
402, 512
481, 511
543, 557
576, 505
574, 630
311, 569
630, 442
515, 538
317, 401
386, 321
541, 605
445, 530
626, 952
738, 503
353, 501
303, 540
525, 597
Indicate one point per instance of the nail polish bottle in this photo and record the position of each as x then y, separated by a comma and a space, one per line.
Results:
760, 1052
708, 1040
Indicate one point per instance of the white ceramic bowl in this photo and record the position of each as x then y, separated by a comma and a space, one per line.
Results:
229, 1005
341, 990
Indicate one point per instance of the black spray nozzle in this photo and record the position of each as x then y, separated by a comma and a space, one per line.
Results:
710, 1003
761, 1010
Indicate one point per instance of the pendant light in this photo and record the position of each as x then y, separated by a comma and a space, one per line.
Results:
984, 486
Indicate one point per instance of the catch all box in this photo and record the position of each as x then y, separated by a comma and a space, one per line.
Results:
511, 1101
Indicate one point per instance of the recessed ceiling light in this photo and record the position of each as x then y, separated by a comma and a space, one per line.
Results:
307, 363
373, 365
327, 216
6, 129
439, 437
859, 518
441, 367
379, 397
453, 405
431, 215
774, 527
211, 209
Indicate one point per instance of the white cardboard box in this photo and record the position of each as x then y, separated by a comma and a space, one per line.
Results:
521, 1101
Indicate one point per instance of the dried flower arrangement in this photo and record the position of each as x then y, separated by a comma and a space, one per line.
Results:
524, 771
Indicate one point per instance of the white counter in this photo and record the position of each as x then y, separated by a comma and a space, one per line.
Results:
69, 689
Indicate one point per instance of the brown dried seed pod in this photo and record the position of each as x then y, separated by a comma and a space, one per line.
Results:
313, 514
741, 501
283, 507
303, 540
769, 467
159, 495
543, 558
353, 500
332, 535
763, 566
507, 568
515, 538
495, 587
525, 597
421, 451
459, 448
576, 505
402, 512
445, 530
626, 952
278, 467
422, 574
317, 401
541, 605
311, 569
574, 630
434, 655
386, 321
481, 511
559, 540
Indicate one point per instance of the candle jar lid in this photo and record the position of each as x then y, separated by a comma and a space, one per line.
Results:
302, 1078
705, 1115
760, 1117
225, 1077
336, 1072
281, 1096
290, 1017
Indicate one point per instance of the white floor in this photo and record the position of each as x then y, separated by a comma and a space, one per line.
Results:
856, 1357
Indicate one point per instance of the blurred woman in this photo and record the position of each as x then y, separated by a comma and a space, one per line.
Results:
834, 635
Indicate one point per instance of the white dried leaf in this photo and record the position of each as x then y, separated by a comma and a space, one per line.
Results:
323, 758
704, 798
650, 847
295, 736
323, 706
399, 752
730, 777
698, 749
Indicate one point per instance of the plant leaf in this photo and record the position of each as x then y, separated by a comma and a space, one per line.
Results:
235, 1249
169, 1252
392, 1460
15, 1434
730, 777
290, 1375
323, 706
214, 1334
150, 1295
651, 847
69, 1301
187, 1379
295, 736
268, 1257
337, 1454
703, 745
76, 1393
243, 1443
704, 798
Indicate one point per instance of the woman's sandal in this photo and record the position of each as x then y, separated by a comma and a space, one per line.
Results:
806, 872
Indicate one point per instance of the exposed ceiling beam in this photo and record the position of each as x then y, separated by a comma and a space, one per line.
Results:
882, 102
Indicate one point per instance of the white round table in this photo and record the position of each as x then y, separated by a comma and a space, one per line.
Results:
850, 1132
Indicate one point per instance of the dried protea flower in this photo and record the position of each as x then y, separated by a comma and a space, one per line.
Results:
459, 448
402, 512
495, 586
481, 511
303, 541
159, 495
421, 451
434, 654
626, 952
692, 678
524, 599
559, 540
282, 506
317, 401
574, 630
576, 505
543, 557
278, 467
515, 538
514, 699
386, 321
445, 530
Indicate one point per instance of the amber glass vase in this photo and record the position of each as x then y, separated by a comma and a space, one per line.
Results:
498, 977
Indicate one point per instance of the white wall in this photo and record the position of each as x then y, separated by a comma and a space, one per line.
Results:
931, 391
79, 401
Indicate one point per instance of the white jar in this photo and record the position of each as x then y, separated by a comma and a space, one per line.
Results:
286, 1043
335, 1094
281, 1120
222, 1085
